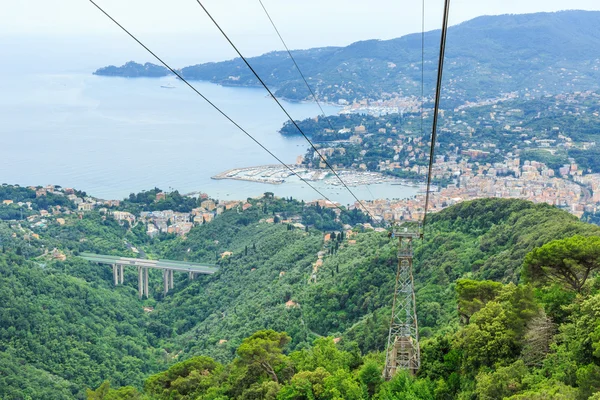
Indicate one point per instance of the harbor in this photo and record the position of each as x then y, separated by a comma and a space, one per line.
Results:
278, 174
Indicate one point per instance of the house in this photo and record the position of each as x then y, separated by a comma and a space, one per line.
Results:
246, 206
208, 204
231, 204
7, 202
291, 304
57, 255
152, 231
180, 228
60, 221
84, 207
160, 196
226, 254
124, 216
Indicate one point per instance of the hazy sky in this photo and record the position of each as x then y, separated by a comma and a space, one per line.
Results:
303, 23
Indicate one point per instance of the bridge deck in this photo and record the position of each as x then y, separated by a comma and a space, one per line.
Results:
183, 266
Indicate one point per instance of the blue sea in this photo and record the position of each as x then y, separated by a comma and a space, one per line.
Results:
113, 136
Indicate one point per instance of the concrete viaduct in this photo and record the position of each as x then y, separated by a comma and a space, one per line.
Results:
168, 267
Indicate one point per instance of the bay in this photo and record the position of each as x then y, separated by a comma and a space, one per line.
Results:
114, 136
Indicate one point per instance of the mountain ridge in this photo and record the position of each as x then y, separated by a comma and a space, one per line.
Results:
498, 54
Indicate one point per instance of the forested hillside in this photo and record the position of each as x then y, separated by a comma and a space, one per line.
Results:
535, 53
65, 328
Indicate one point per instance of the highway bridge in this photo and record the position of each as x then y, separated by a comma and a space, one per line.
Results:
168, 267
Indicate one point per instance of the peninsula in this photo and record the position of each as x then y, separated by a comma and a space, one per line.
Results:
134, 70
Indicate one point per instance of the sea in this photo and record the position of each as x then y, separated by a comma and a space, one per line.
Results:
113, 136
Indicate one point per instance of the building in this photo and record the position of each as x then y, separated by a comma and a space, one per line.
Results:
152, 231
208, 204
85, 207
124, 216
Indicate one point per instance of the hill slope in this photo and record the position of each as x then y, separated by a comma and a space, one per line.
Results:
537, 53
64, 319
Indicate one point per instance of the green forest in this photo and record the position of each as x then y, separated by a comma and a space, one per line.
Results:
508, 299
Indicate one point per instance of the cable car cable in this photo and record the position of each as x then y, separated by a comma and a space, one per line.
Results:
312, 92
437, 103
283, 108
214, 105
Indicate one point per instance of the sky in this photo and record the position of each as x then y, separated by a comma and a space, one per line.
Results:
180, 30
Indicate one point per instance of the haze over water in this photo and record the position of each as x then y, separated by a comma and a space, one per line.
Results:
114, 136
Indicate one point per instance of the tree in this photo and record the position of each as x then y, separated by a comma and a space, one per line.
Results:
568, 261
473, 295
538, 338
588, 380
104, 392
187, 379
370, 376
324, 354
264, 349
488, 338
502, 383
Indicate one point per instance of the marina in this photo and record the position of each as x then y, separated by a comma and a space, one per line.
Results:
278, 174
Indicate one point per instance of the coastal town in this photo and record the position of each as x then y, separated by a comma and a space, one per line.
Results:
490, 148
532, 181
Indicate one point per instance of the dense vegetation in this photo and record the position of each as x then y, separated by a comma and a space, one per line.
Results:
64, 327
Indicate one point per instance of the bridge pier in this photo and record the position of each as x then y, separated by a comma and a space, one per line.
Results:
122, 275
172, 283
141, 282
146, 282
115, 274
191, 275
166, 280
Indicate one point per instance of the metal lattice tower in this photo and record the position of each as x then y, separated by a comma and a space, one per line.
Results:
403, 350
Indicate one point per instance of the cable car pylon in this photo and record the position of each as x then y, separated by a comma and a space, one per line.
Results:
403, 351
